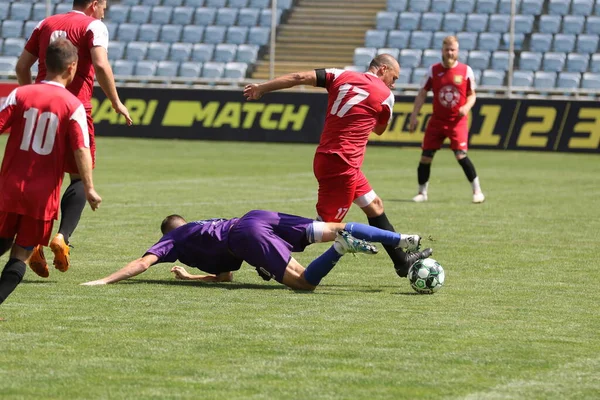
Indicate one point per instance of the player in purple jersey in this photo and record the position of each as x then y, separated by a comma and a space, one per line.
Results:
265, 240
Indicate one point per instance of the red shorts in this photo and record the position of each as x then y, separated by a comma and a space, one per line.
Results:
29, 231
436, 133
339, 186
71, 165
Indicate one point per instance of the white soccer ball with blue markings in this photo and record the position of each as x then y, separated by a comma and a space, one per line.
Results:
426, 276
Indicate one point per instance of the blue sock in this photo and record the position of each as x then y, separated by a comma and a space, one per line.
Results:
321, 266
373, 234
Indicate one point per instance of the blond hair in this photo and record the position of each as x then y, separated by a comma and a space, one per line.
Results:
448, 40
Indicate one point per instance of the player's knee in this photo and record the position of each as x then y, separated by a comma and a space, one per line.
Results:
427, 156
460, 154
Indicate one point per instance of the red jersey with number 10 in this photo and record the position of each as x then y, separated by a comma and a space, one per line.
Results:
356, 103
46, 122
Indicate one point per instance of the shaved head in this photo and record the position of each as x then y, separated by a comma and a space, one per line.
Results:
384, 59
386, 68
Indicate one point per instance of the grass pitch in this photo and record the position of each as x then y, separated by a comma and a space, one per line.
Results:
517, 319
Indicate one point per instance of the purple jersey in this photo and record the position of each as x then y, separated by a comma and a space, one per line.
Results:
199, 244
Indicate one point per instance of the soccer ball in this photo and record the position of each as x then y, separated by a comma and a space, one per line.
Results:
426, 276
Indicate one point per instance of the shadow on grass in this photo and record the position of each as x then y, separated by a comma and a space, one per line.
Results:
229, 285
32, 282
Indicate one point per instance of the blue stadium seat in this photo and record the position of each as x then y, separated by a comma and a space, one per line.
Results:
554, 62
493, 78
145, 68
477, 23
477, 75
115, 50
389, 50
522, 78
519, 39
420, 40
438, 39
203, 52
123, 68
139, 14
504, 6
173, 3
259, 35
259, 3
129, 2
225, 52
573, 24
237, 3
265, 17
136, 51
62, 8
568, 80
419, 5
157, 51
489, 41
595, 63
150, 3
464, 6
410, 58
479, 59
499, 23
375, 38
13, 47
214, 34
577, 62
592, 25
247, 53
127, 32
190, 69
532, 7
170, 33
193, 3
405, 74
180, 52
563, 43
409, 21
12, 29
29, 27
226, 16
386, 20
559, 7
248, 17
487, 6
148, 33
396, 5
540, 42
524, 23
544, 80
204, 16
192, 34
454, 22
364, 55
213, 70
215, 3
418, 75
235, 70
441, 6
582, 7
20, 11
587, 43
430, 57
236, 34
161, 15
8, 64
530, 61
38, 13
467, 40
398, 39
284, 4
182, 15
5, 8
590, 81
431, 21
550, 23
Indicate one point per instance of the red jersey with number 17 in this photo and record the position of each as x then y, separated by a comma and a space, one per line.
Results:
46, 122
356, 103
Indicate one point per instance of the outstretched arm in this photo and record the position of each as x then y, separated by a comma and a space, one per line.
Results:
419, 101
23, 68
181, 273
256, 91
132, 269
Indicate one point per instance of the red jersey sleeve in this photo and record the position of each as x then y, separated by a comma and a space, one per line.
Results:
6, 111
77, 130
33, 44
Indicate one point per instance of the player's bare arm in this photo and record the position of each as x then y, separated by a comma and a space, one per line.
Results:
106, 80
23, 68
182, 274
83, 158
464, 110
132, 269
419, 101
256, 91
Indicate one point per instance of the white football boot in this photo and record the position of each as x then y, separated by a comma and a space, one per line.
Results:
346, 243
420, 198
478, 197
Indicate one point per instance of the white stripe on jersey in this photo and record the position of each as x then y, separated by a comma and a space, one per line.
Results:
335, 71
100, 32
471, 77
11, 100
390, 103
80, 117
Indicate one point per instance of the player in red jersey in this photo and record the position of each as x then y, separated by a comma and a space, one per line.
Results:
84, 28
358, 104
453, 85
47, 123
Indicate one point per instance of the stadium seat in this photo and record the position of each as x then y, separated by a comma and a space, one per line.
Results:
563, 43
467, 40
148, 33
236, 34
550, 23
375, 38
410, 58
487, 6
530, 61
522, 78
590, 81
388, 50
38, 12
489, 41
204, 16
192, 34
544, 80
190, 69
62, 8
504, 6
157, 51
409, 21
492, 78
123, 68
136, 51
5, 10
116, 50
532, 7
284, 4
464, 6
180, 52
431, 21
499, 23
145, 68
479, 59
558, 7
582, 7
13, 47
364, 55
237, 3
226, 16
540, 42
441, 6
225, 52
477, 76
214, 34
518, 40
405, 75
454, 22
127, 32
182, 15
150, 3
592, 25
573, 24
173, 3
386, 20
554, 62
20, 11
577, 62
419, 5
8, 64
430, 57
215, 3
587, 43
170, 33
259, 35
30, 26
247, 53
265, 17
248, 17
12, 29
129, 2
438, 39
213, 70
398, 39
235, 70
524, 23
477, 23
568, 80
139, 14
203, 52
595, 63
396, 5
259, 3
418, 75
420, 40
161, 15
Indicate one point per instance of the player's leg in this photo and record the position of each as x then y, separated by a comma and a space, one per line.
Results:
459, 144
337, 183
432, 141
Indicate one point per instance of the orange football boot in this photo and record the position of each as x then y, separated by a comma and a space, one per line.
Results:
37, 262
61, 253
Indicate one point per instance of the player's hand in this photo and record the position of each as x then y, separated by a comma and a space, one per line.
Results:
180, 273
412, 125
462, 111
93, 199
252, 92
121, 109
94, 283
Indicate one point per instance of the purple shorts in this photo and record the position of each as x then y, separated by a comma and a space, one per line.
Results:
266, 239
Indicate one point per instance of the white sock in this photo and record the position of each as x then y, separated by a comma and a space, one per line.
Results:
423, 188
476, 186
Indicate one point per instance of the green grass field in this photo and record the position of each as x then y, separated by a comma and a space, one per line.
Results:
517, 319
